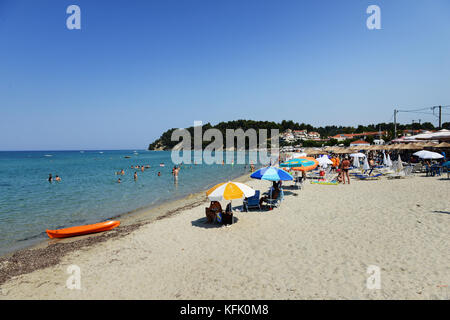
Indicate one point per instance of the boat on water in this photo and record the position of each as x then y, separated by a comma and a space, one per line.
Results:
127, 157
161, 164
82, 230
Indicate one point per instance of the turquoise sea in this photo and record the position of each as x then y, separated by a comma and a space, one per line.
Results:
89, 192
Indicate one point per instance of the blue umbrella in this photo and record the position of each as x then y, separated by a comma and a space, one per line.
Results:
272, 174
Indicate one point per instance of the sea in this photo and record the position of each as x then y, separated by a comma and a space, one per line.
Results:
88, 191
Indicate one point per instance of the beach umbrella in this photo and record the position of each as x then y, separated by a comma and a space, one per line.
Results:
358, 155
272, 174
388, 160
399, 164
424, 154
324, 161
356, 162
366, 164
419, 153
301, 164
443, 145
229, 191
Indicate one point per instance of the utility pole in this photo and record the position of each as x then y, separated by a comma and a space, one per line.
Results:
440, 117
395, 124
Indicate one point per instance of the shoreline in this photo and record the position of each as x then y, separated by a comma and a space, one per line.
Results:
47, 253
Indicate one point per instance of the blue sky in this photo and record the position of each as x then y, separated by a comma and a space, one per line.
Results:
137, 68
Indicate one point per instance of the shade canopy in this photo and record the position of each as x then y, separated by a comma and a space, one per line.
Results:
272, 174
358, 155
301, 164
425, 154
229, 191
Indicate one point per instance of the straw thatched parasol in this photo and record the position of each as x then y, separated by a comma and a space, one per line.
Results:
378, 147
412, 146
364, 147
343, 151
443, 145
315, 152
429, 145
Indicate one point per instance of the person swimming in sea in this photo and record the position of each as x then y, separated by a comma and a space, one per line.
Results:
50, 178
159, 174
119, 181
135, 176
57, 178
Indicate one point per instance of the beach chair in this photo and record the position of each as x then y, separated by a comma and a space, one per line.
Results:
276, 202
417, 168
227, 216
298, 182
369, 177
252, 202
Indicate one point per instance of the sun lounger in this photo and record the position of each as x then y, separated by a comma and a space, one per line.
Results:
369, 177
227, 216
252, 202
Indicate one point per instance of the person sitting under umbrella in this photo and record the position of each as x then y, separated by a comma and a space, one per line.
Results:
272, 195
211, 212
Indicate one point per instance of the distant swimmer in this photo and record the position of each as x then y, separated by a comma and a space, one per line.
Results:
159, 174
119, 181
142, 168
135, 176
50, 178
122, 172
57, 178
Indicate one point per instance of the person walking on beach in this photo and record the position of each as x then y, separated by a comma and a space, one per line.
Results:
345, 168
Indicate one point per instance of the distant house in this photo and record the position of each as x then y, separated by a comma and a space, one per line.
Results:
348, 136
313, 135
359, 143
342, 136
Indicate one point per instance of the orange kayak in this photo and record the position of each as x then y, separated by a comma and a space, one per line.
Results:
80, 230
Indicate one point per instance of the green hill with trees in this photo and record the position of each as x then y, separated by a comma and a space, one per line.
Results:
164, 142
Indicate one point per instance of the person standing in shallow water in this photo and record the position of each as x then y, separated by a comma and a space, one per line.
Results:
135, 176
50, 178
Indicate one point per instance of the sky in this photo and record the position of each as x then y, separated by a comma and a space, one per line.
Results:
138, 68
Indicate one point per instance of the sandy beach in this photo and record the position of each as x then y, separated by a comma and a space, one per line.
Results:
317, 245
